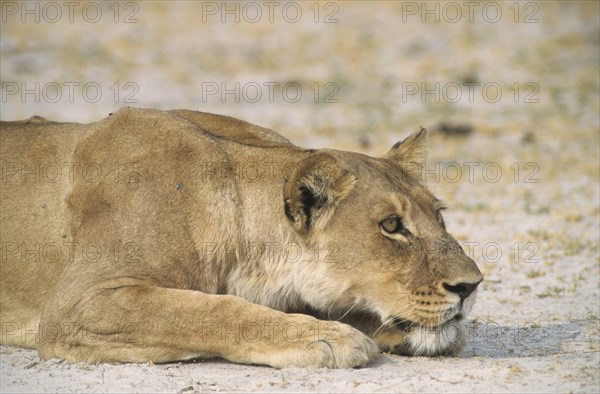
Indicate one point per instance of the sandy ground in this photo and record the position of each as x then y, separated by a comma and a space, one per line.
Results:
522, 182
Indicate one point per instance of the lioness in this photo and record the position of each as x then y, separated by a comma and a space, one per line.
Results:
155, 236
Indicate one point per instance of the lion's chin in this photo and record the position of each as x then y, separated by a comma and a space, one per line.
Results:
447, 339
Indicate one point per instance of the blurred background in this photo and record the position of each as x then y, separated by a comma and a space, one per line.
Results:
359, 71
508, 89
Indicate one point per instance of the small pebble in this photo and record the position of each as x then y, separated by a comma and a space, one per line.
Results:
454, 130
178, 186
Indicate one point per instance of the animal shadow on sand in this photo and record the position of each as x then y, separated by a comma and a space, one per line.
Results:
521, 339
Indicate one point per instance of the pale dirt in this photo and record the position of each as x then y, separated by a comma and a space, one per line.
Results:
535, 326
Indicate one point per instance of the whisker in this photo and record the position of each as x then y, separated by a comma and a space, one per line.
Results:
384, 324
332, 305
387, 322
348, 311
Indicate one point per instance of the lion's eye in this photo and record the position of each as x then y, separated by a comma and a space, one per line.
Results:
394, 225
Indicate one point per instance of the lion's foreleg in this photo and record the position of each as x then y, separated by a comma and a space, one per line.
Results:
153, 324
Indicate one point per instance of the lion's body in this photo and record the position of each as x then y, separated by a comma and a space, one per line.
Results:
166, 235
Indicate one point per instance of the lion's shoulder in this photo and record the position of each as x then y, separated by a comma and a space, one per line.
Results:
232, 129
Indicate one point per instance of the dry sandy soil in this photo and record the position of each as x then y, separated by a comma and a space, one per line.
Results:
519, 80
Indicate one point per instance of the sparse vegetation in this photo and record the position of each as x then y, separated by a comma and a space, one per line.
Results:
574, 245
553, 292
535, 273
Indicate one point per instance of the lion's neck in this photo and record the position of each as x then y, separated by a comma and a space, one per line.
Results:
264, 272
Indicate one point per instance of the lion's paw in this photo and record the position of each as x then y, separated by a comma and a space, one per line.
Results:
328, 344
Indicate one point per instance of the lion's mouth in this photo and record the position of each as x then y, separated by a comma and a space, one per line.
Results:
410, 326
444, 339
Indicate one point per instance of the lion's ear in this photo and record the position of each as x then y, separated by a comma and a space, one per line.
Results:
316, 186
411, 153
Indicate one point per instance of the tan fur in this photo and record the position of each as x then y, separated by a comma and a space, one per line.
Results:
168, 235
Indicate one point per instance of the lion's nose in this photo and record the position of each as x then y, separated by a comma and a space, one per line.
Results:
462, 289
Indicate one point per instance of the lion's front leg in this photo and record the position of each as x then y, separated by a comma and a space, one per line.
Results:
142, 323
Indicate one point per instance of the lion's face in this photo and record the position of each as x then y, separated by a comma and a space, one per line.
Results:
385, 250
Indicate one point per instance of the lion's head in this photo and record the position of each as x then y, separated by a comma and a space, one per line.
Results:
386, 257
